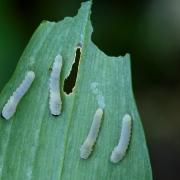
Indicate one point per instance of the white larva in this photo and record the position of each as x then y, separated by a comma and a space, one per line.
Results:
10, 107
120, 150
54, 87
88, 144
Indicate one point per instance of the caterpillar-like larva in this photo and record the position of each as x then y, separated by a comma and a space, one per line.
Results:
55, 102
120, 150
88, 144
10, 107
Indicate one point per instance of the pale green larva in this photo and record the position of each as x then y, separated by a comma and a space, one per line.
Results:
88, 144
10, 107
54, 87
120, 150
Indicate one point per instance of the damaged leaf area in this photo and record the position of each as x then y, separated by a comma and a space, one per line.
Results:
34, 145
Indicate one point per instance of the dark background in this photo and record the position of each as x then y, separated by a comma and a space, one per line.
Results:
147, 29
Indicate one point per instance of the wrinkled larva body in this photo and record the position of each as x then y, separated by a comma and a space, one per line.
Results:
88, 144
10, 107
120, 150
55, 102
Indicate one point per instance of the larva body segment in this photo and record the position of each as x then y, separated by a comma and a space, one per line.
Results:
54, 87
88, 144
120, 150
10, 107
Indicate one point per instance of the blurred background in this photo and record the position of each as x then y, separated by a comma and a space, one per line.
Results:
147, 29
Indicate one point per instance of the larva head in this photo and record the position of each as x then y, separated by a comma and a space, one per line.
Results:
127, 119
31, 74
99, 112
58, 61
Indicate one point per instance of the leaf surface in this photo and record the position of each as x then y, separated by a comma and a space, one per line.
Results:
36, 145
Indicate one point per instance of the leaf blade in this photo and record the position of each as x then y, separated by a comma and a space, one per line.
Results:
37, 145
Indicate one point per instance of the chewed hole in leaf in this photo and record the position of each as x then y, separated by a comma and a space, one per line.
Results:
70, 81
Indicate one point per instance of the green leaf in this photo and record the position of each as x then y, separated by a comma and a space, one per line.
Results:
36, 145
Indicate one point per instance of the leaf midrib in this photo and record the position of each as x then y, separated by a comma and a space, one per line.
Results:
73, 94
